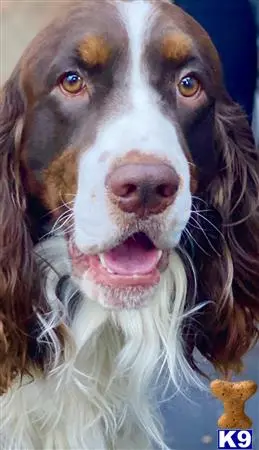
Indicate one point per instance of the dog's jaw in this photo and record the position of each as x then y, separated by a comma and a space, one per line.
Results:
124, 276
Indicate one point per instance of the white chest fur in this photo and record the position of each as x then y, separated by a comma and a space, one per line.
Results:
101, 396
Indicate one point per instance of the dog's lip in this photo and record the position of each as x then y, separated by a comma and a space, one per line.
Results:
135, 261
100, 275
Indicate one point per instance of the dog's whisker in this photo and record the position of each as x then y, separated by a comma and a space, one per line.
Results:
58, 226
205, 235
51, 211
193, 240
67, 204
199, 225
60, 207
61, 218
199, 199
200, 210
211, 224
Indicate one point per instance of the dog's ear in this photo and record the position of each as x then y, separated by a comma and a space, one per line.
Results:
19, 289
230, 278
25, 315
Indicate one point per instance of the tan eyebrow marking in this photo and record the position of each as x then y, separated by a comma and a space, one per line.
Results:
176, 46
94, 50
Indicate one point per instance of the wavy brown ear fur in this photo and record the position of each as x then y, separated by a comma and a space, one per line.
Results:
20, 293
17, 274
231, 278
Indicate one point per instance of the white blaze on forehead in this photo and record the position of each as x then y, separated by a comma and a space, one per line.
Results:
142, 121
136, 16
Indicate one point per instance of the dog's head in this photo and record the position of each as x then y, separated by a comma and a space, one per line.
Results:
117, 121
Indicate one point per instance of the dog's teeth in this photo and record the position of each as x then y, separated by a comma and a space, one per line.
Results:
101, 256
103, 263
159, 255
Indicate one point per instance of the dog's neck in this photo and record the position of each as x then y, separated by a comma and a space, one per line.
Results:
102, 385
117, 356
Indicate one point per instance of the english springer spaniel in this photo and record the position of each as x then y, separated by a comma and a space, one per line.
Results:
129, 225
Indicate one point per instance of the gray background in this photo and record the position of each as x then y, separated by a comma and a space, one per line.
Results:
192, 424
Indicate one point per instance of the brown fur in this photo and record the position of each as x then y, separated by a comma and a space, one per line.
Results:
136, 156
20, 288
60, 183
176, 46
94, 50
229, 278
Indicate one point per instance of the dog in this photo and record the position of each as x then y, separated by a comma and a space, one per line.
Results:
129, 225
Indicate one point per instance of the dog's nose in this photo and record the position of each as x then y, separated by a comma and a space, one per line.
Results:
143, 189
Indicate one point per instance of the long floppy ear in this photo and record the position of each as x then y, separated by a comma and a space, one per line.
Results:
16, 262
230, 278
20, 293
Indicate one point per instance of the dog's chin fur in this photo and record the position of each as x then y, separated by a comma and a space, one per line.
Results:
100, 391
117, 298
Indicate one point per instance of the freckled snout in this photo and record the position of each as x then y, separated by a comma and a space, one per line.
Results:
143, 189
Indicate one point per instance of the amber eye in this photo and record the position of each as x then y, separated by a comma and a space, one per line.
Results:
72, 83
189, 86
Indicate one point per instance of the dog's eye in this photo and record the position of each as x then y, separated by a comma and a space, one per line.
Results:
189, 86
72, 83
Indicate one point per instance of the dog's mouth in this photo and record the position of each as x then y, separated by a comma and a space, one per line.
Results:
134, 262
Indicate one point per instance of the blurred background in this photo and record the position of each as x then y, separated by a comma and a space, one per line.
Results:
190, 422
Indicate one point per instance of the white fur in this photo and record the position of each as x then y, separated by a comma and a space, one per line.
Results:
101, 396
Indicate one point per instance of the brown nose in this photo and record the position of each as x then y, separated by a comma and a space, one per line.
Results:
143, 189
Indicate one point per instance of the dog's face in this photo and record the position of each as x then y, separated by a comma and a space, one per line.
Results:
116, 119
119, 106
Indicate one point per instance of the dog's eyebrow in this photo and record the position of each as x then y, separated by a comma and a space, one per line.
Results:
94, 51
176, 47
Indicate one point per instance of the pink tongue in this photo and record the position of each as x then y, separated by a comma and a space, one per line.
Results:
136, 255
